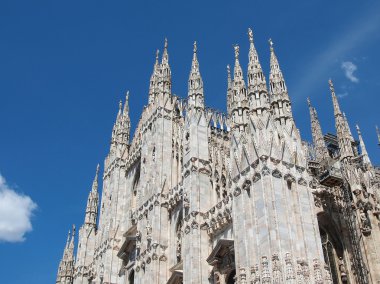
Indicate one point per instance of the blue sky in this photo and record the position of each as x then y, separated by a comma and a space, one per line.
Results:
64, 65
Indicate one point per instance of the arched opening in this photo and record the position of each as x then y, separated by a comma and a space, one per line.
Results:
178, 236
333, 255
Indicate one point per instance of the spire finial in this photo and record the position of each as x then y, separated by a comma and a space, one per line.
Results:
236, 48
157, 54
97, 169
68, 238
73, 234
378, 134
308, 102
271, 44
364, 153
331, 86
195, 47
126, 100
250, 35
120, 105
166, 43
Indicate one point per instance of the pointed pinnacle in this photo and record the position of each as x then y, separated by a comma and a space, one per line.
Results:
68, 238
127, 97
308, 102
166, 43
120, 105
126, 105
331, 87
195, 47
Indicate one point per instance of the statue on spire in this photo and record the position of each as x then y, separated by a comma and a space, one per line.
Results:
236, 48
250, 35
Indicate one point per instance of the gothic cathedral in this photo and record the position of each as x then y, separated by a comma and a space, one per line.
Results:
199, 196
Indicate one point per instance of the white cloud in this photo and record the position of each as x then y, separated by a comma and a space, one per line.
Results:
15, 213
342, 95
318, 70
349, 68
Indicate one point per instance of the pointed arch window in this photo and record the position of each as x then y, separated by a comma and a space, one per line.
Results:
333, 255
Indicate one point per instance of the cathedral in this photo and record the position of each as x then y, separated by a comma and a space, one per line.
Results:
201, 196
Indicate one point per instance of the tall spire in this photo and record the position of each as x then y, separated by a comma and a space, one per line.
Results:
364, 153
166, 77
342, 133
278, 91
66, 265
154, 78
239, 105
195, 87
316, 131
256, 79
93, 203
348, 127
239, 87
125, 123
378, 135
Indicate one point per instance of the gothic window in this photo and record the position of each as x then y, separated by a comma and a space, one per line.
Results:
333, 255
178, 236
136, 180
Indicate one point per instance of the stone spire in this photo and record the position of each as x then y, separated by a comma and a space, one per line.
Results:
239, 100
378, 135
342, 133
93, 203
154, 78
239, 87
278, 91
66, 265
195, 87
364, 153
166, 76
256, 79
316, 131
116, 125
348, 127
125, 122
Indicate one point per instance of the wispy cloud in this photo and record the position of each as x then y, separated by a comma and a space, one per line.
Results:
320, 68
349, 68
15, 213
342, 95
